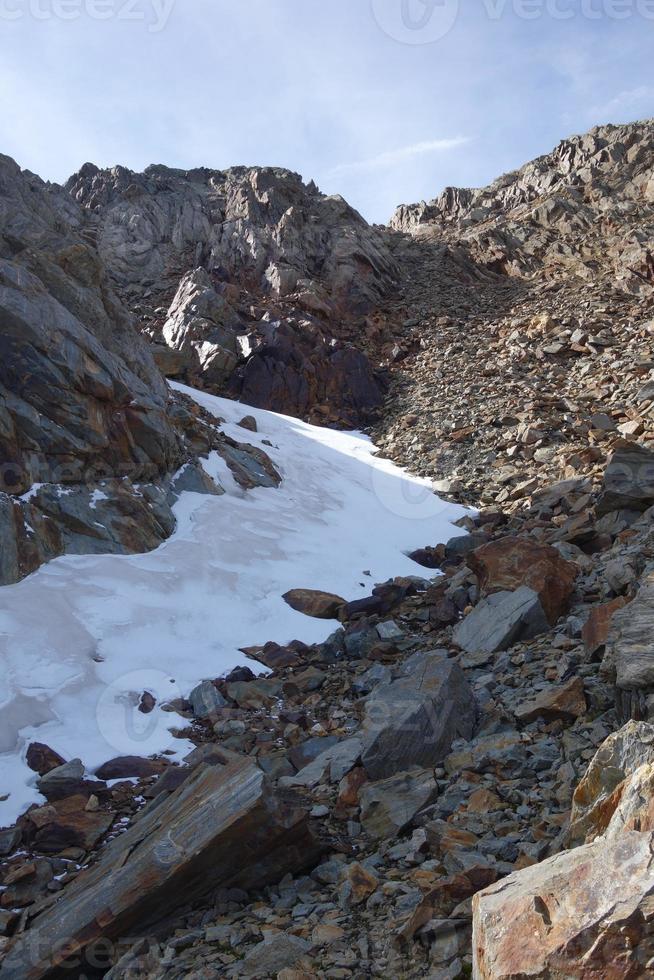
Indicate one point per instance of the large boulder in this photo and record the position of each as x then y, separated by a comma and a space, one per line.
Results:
413, 720
224, 818
584, 914
599, 793
512, 562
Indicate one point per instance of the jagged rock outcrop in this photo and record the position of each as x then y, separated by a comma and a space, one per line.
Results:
81, 399
585, 209
91, 436
263, 272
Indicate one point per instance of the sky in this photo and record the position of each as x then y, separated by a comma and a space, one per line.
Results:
383, 101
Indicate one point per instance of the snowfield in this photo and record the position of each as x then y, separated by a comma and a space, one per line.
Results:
84, 637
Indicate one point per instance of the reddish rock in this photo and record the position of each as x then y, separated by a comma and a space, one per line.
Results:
441, 901
600, 792
598, 625
560, 703
319, 605
131, 767
42, 759
513, 562
67, 823
358, 885
584, 914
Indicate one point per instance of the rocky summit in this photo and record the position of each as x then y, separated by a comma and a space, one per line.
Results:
434, 755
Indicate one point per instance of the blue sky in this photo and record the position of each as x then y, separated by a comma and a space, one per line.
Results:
375, 99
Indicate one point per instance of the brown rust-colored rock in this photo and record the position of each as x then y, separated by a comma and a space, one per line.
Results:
586, 914
225, 826
319, 605
598, 625
564, 702
512, 562
599, 793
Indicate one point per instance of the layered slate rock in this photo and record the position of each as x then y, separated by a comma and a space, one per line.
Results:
227, 818
412, 721
585, 913
629, 657
79, 386
512, 562
628, 480
501, 620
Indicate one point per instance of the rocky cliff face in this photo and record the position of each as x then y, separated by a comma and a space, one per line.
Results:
586, 209
269, 281
90, 433
460, 779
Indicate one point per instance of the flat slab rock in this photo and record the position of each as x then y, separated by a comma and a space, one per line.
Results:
502, 620
585, 913
224, 818
413, 720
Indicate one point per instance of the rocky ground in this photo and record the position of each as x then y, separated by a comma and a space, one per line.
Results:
459, 781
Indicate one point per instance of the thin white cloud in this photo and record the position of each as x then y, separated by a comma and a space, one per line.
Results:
630, 101
390, 158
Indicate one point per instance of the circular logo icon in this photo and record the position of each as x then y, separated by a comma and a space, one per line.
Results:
125, 719
415, 500
416, 21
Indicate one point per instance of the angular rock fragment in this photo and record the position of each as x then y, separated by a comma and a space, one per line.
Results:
512, 562
629, 657
206, 700
628, 480
586, 913
227, 819
413, 720
319, 605
502, 620
388, 806
599, 792
564, 702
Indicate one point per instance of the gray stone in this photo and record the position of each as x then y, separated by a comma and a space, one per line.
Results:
332, 764
502, 620
277, 952
628, 480
629, 657
57, 780
413, 720
193, 478
388, 806
206, 700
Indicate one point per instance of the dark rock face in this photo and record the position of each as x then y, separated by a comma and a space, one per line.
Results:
266, 279
81, 400
296, 373
79, 387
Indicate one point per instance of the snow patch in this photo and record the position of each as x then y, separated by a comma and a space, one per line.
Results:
83, 637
